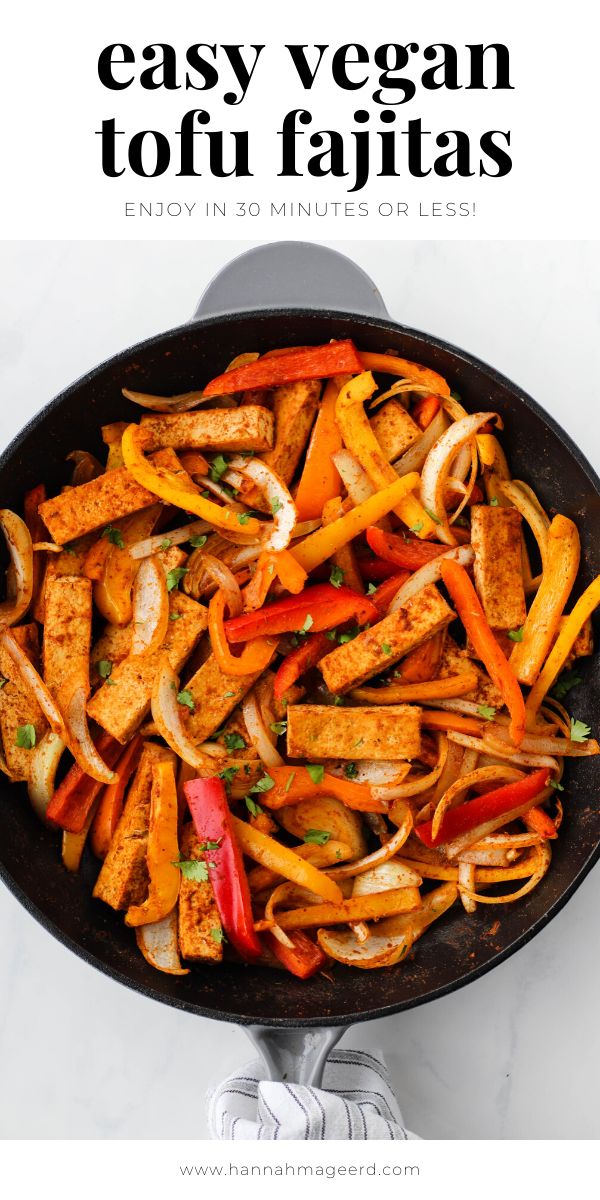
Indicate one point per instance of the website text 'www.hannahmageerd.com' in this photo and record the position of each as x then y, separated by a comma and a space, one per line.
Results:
296, 1170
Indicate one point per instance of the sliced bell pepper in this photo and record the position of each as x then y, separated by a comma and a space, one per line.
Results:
588, 601
540, 822
335, 358
179, 489
383, 596
313, 648
114, 586
400, 551
423, 662
471, 613
303, 959
162, 854
320, 545
255, 656
37, 529
391, 364
484, 808
325, 604
73, 799
293, 784
273, 564
272, 854
359, 437
375, 570
320, 480
110, 806
213, 822
425, 409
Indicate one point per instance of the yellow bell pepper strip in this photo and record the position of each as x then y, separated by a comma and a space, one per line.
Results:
471, 613
293, 784
317, 608
391, 364
256, 654
179, 490
320, 545
265, 850
213, 822
163, 850
369, 907
320, 480
113, 590
359, 438
317, 362
562, 648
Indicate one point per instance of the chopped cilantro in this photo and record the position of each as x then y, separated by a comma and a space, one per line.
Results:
558, 787
338, 700
337, 576
351, 770
276, 504
386, 648
187, 699
114, 536
243, 518
192, 868
331, 634
348, 636
263, 785
175, 616
579, 731
278, 727
164, 545
25, 738
418, 527
211, 845
432, 516
228, 695
218, 467
316, 837
198, 540
290, 781
515, 635
227, 774
564, 683
487, 712
308, 623
217, 935
3, 681
234, 741
253, 807
174, 576
316, 772
371, 589
104, 668
494, 502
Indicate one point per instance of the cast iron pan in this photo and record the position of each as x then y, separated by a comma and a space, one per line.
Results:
239, 312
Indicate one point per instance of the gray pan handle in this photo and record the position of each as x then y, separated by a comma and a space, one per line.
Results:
291, 275
296, 1055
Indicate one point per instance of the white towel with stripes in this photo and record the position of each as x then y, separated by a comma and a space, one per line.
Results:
355, 1103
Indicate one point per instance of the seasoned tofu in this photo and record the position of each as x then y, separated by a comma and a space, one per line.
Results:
199, 923
228, 429
102, 501
122, 703
215, 696
378, 732
123, 878
294, 409
17, 706
67, 629
455, 661
378, 648
394, 429
496, 540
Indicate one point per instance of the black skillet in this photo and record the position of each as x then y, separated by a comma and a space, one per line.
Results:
297, 294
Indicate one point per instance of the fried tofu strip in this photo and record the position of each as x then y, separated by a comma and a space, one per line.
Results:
122, 703
394, 429
123, 879
102, 501
378, 648
248, 428
67, 629
294, 409
456, 661
199, 923
496, 540
215, 696
384, 732
17, 707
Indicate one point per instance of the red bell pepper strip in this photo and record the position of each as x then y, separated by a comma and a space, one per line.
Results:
383, 596
471, 613
374, 570
212, 820
484, 808
108, 812
325, 604
403, 553
72, 801
313, 648
303, 959
319, 362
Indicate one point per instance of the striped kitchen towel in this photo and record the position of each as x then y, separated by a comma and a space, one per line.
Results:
356, 1102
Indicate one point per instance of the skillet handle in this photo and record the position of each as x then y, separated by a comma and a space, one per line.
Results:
291, 275
295, 1055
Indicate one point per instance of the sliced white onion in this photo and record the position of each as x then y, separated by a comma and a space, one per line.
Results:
258, 732
438, 463
218, 490
520, 759
303, 528
497, 738
74, 696
385, 852
414, 457
279, 499
159, 944
355, 480
51, 547
224, 578
429, 573
19, 577
385, 878
150, 607
527, 503
86, 467
165, 404
167, 714
44, 765
34, 684
175, 537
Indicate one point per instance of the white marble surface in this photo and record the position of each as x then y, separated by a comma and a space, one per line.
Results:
516, 1054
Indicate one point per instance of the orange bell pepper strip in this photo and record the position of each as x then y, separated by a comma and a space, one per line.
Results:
110, 805
441, 721
320, 545
95, 559
423, 662
256, 654
486, 647
293, 784
74, 797
540, 822
402, 552
303, 958
391, 364
318, 362
425, 409
588, 601
163, 850
179, 490
313, 648
284, 861
320, 480
359, 437
383, 596
271, 564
